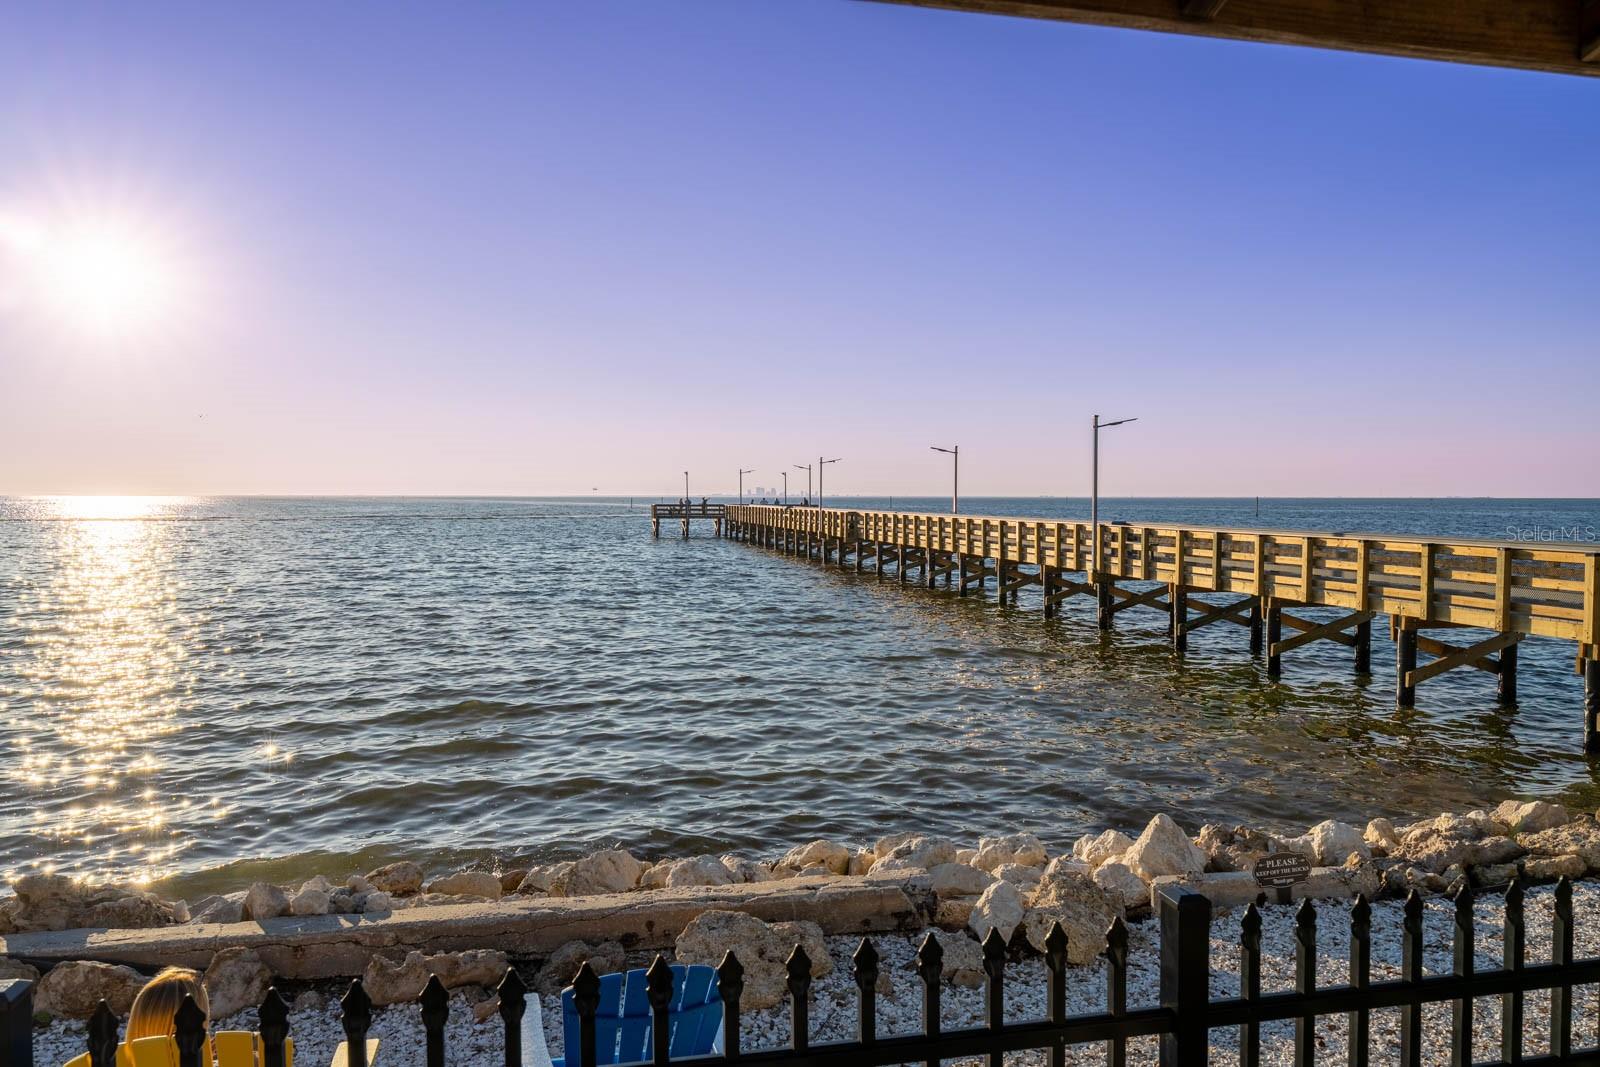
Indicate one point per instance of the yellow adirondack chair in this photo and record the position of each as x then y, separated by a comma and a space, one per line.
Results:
231, 1048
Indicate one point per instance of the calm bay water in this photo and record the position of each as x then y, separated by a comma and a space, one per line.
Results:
205, 690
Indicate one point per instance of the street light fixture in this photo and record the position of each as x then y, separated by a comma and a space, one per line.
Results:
820, 464
752, 470
785, 488
955, 476
1094, 486
807, 468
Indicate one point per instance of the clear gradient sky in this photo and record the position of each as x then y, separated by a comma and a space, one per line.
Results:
552, 246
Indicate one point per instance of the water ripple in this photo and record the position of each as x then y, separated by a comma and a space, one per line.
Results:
212, 690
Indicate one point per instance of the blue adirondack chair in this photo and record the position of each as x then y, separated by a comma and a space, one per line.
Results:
623, 1023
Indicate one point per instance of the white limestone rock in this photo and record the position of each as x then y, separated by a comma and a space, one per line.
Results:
387, 982
1024, 878
538, 880
961, 962
10, 968
1122, 885
1163, 849
467, 884
1579, 838
1531, 816
959, 880
743, 870
1234, 849
762, 949
397, 879
263, 900
607, 957
611, 871
918, 851
1331, 843
309, 902
889, 842
1380, 837
1084, 909
1023, 849
697, 870
73, 989
236, 979
1552, 868
223, 908
1095, 849
819, 853
999, 908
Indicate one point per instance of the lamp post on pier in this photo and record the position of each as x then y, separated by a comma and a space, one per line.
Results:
785, 488
807, 468
686, 505
955, 476
742, 473
1102, 590
820, 464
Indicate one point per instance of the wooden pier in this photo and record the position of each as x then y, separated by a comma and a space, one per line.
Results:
1254, 579
683, 512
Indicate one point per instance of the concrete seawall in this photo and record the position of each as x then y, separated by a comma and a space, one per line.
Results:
330, 946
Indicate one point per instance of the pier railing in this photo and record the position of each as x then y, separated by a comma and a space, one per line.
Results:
688, 511
1181, 1021
1535, 589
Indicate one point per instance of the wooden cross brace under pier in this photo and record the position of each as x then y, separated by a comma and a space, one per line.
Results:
1123, 599
1057, 588
1496, 655
973, 570
912, 558
1360, 622
1244, 612
1017, 578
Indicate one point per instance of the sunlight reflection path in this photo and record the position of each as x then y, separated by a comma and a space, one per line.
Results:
103, 677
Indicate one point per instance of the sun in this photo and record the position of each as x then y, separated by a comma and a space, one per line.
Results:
96, 273
106, 277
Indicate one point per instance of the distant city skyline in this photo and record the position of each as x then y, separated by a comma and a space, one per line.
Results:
557, 249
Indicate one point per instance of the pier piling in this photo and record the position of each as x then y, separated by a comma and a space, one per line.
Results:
1591, 706
1405, 663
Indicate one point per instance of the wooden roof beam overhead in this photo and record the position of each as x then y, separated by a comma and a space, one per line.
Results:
1558, 36
1202, 9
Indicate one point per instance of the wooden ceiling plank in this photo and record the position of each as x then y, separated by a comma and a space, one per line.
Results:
1543, 35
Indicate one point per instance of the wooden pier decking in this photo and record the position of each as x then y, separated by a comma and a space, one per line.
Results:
684, 512
1512, 589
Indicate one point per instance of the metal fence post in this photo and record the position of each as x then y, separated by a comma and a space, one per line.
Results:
1185, 976
16, 1022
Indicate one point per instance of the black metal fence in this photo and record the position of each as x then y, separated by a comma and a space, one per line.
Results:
1182, 1020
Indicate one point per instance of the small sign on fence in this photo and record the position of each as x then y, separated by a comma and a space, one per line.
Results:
1282, 871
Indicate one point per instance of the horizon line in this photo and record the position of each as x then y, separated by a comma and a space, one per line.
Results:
621, 495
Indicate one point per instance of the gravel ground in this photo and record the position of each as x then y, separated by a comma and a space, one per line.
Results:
833, 1014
